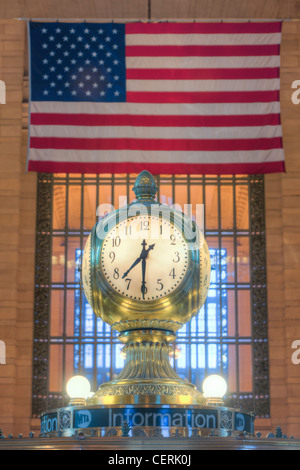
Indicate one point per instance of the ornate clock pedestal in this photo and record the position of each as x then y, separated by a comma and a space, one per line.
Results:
147, 377
146, 286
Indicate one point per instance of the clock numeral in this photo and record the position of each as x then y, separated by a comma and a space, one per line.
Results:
128, 282
173, 239
116, 241
177, 257
172, 273
128, 230
112, 256
160, 284
144, 225
116, 273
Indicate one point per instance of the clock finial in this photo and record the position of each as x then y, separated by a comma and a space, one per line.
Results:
145, 186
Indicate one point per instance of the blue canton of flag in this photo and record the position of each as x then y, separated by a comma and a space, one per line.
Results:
77, 62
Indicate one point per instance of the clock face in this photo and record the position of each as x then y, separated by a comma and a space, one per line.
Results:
144, 258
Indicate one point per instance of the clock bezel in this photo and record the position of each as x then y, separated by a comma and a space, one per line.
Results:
131, 298
134, 305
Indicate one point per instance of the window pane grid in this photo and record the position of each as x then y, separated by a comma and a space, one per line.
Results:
221, 339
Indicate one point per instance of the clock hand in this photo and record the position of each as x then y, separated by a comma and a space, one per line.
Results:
143, 288
132, 266
143, 255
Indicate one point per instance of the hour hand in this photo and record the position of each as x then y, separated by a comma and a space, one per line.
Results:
132, 266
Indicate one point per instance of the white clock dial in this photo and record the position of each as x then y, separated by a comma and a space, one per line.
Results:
144, 258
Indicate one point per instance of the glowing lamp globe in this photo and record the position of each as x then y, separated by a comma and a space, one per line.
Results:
78, 387
214, 388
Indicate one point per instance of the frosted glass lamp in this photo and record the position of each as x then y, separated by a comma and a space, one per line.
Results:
78, 389
214, 388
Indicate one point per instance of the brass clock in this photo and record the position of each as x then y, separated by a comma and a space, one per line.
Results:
146, 272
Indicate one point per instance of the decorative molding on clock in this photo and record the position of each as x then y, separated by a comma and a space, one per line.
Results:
142, 324
148, 389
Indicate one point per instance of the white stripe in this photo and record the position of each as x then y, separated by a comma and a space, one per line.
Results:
201, 39
203, 85
156, 109
91, 156
166, 133
202, 62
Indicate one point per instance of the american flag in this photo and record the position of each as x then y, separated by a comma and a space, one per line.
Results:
176, 98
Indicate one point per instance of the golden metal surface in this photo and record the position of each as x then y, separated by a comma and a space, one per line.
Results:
147, 327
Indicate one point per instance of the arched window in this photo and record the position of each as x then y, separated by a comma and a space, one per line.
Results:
229, 335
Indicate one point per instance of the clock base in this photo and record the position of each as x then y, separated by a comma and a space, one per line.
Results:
147, 377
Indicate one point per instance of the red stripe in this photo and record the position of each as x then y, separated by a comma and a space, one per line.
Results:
155, 144
158, 168
204, 28
59, 119
203, 51
203, 97
202, 74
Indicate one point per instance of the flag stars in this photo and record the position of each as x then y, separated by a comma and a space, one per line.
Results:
97, 75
